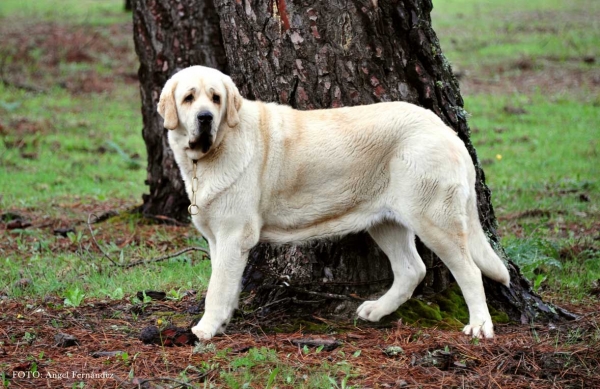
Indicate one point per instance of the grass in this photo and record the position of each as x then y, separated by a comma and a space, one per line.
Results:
73, 150
65, 153
55, 274
539, 144
273, 372
531, 156
477, 34
54, 264
85, 12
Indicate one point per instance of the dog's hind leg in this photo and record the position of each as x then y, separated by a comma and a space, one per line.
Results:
449, 241
398, 243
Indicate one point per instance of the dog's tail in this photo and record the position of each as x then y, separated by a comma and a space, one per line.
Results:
482, 253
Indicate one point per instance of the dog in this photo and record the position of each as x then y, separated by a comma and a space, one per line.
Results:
263, 172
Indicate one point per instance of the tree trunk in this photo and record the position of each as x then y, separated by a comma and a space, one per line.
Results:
169, 37
319, 55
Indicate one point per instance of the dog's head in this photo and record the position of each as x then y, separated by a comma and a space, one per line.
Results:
199, 104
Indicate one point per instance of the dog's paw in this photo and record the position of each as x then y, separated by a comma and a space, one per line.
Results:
485, 330
206, 328
374, 310
201, 334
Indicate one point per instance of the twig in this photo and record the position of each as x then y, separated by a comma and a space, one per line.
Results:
325, 294
89, 224
104, 216
165, 257
312, 293
348, 283
271, 304
327, 344
165, 220
141, 262
206, 253
18, 85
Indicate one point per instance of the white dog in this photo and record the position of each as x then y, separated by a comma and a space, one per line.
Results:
269, 173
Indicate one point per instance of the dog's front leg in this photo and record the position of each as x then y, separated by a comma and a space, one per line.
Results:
228, 260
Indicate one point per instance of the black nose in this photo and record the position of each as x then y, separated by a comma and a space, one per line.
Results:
204, 117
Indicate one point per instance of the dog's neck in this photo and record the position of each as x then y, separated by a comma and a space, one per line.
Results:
222, 166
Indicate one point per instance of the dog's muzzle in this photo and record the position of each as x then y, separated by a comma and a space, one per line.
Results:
203, 139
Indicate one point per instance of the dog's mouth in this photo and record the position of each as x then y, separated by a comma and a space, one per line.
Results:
204, 141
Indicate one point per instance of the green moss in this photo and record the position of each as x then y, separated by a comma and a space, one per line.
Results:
445, 310
499, 317
445, 63
129, 216
461, 112
417, 311
453, 304
300, 324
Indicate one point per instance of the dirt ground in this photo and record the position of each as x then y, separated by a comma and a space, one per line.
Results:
522, 76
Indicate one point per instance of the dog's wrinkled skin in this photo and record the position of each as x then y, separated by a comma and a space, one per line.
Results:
269, 173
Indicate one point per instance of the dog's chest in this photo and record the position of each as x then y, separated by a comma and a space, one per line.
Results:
206, 219
207, 198
215, 198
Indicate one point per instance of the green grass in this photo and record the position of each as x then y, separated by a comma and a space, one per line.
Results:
74, 145
486, 33
553, 147
557, 267
545, 160
88, 12
54, 272
68, 271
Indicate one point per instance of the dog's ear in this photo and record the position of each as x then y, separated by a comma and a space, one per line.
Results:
234, 102
166, 105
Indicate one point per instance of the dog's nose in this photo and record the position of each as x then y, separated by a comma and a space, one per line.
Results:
204, 117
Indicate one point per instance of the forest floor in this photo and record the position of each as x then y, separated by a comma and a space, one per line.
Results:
70, 317
106, 341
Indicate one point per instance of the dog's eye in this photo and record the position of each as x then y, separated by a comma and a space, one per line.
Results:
188, 99
216, 99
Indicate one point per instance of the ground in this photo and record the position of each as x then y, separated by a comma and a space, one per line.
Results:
72, 151
107, 332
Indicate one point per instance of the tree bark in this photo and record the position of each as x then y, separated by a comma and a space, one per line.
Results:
318, 55
170, 36
332, 54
